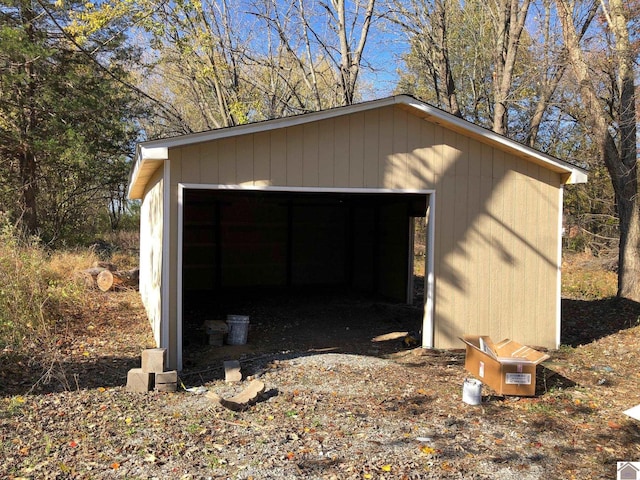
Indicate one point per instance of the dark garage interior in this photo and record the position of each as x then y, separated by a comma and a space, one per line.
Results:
300, 257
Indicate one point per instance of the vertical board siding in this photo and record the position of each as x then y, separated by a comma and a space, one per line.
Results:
310, 156
356, 150
262, 159
279, 157
385, 147
227, 159
190, 163
496, 214
294, 155
341, 152
371, 160
151, 223
209, 163
244, 161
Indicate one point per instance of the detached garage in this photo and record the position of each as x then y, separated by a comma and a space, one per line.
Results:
330, 200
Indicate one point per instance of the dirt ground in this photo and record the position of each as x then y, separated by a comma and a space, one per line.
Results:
337, 405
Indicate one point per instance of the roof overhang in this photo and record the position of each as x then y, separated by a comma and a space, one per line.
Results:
150, 155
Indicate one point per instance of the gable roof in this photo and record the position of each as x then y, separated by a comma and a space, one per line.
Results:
150, 154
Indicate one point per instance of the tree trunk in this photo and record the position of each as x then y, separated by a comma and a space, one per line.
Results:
621, 158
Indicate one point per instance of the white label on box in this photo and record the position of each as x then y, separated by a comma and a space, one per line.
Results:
518, 379
481, 369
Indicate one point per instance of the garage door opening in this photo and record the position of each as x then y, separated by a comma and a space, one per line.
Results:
308, 268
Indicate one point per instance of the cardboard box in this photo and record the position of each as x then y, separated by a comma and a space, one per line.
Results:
507, 367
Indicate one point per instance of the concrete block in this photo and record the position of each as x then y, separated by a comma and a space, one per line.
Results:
166, 387
167, 377
153, 360
232, 371
139, 381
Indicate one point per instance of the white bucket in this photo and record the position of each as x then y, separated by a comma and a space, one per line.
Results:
472, 391
238, 329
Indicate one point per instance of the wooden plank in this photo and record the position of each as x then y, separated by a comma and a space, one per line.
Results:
356, 150
227, 158
475, 158
279, 157
190, 164
244, 160
294, 155
371, 149
341, 152
462, 154
310, 169
209, 163
326, 153
398, 161
385, 147
427, 154
415, 163
262, 158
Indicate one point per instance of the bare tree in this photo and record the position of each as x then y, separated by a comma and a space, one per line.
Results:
614, 129
509, 17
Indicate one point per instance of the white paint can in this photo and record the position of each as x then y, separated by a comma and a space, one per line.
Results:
472, 391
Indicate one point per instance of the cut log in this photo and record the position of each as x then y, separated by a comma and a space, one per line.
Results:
105, 280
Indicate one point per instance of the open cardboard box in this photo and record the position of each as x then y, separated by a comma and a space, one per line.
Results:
507, 367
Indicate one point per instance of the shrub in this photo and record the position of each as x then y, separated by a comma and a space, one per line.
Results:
36, 289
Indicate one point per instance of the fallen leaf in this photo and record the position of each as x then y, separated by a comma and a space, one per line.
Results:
115, 465
614, 425
73, 444
386, 468
290, 455
427, 450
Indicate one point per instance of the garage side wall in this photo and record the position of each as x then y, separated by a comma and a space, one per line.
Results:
151, 223
496, 214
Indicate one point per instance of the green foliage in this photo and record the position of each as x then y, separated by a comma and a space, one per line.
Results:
67, 125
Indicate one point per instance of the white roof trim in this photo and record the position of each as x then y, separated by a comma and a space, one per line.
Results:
157, 150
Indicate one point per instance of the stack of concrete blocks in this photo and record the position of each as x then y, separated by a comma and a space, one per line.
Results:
216, 330
152, 374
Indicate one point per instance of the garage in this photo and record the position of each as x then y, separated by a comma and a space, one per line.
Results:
329, 202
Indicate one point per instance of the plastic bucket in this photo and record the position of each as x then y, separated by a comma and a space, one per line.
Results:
472, 391
238, 329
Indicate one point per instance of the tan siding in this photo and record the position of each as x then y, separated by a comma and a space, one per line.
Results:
279, 157
415, 151
426, 155
227, 157
326, 153
341, 139
385, 148
398, 160
244, 161
356, 150
190, 163
209, 163
310, 168
151, 222
496, 215
262, 158
371, 148
294, 155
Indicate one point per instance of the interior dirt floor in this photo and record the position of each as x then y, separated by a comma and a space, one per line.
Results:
302, 321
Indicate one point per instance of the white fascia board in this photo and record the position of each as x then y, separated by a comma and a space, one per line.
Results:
157, 149
144, 154
267, 125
